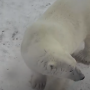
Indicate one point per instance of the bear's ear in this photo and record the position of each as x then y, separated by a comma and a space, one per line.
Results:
52, 65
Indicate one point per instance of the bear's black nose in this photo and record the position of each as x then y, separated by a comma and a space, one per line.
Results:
82, 78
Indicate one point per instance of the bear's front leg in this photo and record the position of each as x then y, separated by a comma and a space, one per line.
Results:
37, 81
54, 83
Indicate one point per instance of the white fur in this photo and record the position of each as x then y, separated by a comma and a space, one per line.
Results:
80, 48
48, 44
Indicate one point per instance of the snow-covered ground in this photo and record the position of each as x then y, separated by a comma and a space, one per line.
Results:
15, 17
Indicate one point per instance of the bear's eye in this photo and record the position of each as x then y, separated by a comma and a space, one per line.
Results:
71, 70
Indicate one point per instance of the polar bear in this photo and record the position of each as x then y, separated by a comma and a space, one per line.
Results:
59, 38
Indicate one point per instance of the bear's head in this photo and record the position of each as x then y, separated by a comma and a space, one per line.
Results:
61, 65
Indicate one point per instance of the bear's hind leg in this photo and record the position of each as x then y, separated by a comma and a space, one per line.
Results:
83, 56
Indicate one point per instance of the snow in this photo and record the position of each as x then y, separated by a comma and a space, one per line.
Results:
15, 17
